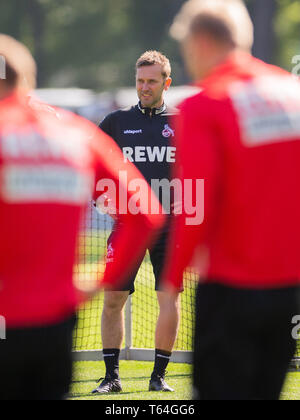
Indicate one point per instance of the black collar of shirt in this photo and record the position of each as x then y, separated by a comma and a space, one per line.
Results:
152, 111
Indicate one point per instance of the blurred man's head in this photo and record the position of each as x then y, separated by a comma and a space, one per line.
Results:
209, 29
153, 78
18, 68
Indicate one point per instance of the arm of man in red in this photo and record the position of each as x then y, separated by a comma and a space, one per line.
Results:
135, 230
197, 158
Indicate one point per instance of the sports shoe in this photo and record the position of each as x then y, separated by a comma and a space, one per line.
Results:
158, 383
108, 385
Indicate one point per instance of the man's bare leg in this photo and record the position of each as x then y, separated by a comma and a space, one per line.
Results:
112, 329
165, 337
112, 326
168, 321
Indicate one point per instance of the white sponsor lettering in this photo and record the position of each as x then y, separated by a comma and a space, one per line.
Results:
171, 153
140, 154
150, 154
156, 153
268, 110
45, 183
128, 154
32, 145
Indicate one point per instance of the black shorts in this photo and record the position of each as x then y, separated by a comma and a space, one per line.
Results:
36, 363
157, 257
243, 342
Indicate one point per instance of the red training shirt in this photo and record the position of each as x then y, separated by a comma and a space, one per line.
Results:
241, 136
49, 161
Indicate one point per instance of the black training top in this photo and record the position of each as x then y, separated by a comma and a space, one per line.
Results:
145, 137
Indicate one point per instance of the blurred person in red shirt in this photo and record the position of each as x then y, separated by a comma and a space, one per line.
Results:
241, 136
49, 162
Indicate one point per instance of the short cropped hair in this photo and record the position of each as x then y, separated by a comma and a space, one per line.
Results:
20, 66
227, 21
149, 58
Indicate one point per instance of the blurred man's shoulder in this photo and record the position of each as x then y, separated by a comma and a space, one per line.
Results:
65, 121
120, 112
192, 101
172, 111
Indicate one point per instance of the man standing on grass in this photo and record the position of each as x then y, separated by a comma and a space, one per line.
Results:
241, 135
144, 134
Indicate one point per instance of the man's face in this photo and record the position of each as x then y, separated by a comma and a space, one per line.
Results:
150, 85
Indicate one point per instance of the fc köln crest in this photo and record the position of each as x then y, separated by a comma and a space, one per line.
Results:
168, 132
110, 254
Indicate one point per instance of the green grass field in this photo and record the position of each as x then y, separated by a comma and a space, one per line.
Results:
291, 390
135, 379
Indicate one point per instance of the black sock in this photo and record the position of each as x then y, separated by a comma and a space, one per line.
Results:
162, 359
111, 359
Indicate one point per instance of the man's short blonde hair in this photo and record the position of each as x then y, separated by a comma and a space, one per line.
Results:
20, 66
225, 20
149, 58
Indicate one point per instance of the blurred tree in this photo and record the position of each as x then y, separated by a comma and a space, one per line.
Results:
37, 17
94, 44
26, 22
287, 28
263, 14
151, 22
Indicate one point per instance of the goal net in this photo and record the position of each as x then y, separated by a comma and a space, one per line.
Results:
142, 309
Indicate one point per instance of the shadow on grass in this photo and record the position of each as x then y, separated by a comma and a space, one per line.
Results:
140, 378
91, 395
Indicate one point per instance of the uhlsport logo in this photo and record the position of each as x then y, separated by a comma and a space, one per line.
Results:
168, 132
133, 131
2, 328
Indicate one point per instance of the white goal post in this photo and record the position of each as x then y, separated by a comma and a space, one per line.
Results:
129, 352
